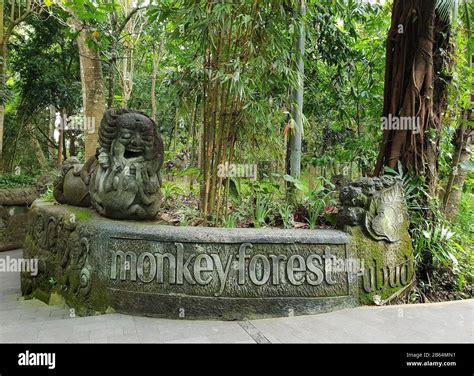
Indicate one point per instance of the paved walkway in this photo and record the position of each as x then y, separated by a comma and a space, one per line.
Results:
32, 321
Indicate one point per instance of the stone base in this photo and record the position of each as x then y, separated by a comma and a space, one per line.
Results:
99, 265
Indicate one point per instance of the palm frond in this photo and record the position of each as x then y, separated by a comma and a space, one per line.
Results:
446, 8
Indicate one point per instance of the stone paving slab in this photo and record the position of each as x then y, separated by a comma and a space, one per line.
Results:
32, 321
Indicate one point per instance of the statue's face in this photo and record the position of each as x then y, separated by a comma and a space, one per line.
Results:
136, 134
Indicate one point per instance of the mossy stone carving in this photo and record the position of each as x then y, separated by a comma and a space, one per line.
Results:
374, 213
122, 181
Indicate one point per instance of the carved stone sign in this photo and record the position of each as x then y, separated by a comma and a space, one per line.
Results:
232, 270
143, 268
227, 273
98, 264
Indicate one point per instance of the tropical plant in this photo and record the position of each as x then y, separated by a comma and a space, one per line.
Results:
262, 210
170, 189
286, 214
230, 221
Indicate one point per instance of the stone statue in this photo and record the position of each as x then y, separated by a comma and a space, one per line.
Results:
376, 204
123, 180
72, 187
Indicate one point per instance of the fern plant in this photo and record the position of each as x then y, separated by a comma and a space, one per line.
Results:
169, 189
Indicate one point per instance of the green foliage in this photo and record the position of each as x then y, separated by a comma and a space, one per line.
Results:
463, 227
187, 215
262, 210
170, 189
16, 181
230, 221
314, 211
436, 242
48, 195
438, 239
319, 197
52, 281
286, 214
343, 101
189, 171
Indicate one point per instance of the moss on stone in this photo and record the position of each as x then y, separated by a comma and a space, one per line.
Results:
56, 299
98, 297
82, 215
381, 253
57, 284
28, 242
42, 295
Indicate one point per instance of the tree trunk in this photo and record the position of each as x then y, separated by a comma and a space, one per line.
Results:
93, 96
111, 82
156, 62
153, 85
2, 82
175, 131
52, 127
40, 154
413, 89
463, 142
72, 144
60, 159
127, 74
295, 136
3, 72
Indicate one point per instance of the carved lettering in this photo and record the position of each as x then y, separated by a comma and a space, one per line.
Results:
259, 262
119, 260
180, 265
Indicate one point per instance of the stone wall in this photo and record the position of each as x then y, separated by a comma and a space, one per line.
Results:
13, 215
99, 264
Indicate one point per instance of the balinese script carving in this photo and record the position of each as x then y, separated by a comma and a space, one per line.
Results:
376, 277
